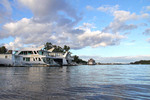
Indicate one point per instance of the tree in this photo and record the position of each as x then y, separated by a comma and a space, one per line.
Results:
48, 46
58, 48
66, 48
78, 60
3, 50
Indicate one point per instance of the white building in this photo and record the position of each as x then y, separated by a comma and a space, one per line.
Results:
6, 59
91, 62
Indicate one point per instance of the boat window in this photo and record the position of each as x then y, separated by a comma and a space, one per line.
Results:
27, 59
30, 52
39, 59
23, 53
23, 59
35, 52
5, 57
40, 52
15, 52
33, 59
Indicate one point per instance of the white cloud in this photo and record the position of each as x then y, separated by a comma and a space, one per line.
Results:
148, 8
98, 38
16, 44
54, 21
121, 21
108, 8
88, 7
121, 18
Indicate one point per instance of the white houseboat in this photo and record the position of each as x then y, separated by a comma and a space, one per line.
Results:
36, 57
33, 57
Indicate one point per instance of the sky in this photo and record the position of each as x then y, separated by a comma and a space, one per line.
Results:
105, 30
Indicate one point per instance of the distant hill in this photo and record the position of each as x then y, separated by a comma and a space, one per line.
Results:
141, 62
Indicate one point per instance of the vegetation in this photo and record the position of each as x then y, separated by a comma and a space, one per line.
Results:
141, 62
49, 45
78, 60
3, 50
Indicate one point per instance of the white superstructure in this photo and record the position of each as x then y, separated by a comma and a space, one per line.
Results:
62, 58
6, 59
33, 56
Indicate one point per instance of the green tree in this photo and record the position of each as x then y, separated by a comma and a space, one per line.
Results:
58, 48
48, 46
66, 48
78, 60
3, 50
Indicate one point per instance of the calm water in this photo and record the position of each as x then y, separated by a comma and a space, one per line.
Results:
99, 82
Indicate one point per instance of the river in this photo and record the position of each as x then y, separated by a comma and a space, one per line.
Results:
98, 82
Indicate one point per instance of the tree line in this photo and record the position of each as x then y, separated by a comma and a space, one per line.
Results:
141, 62
49, 45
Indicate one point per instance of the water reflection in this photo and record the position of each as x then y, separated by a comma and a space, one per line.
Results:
77, 82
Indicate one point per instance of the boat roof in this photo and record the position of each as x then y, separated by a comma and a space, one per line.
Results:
29, 49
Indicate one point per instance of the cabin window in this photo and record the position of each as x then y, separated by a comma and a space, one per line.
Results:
40, 52
33, 59
6, 57
30, 52
39, 59
23, 53
35, 52
24, 59
27, 59
15, 52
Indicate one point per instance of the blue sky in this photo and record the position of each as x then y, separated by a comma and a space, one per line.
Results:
108, 31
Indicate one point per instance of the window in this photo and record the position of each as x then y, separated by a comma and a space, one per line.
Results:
30, 52
39, 59
21, 53
27, 59
35, 52
6, 57
24, 59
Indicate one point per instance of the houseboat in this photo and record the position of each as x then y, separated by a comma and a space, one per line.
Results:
36, 57
33, 57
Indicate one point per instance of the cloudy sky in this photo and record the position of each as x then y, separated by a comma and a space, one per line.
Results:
108, 31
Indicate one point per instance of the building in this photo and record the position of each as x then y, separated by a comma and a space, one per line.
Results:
6, 59
91, 62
